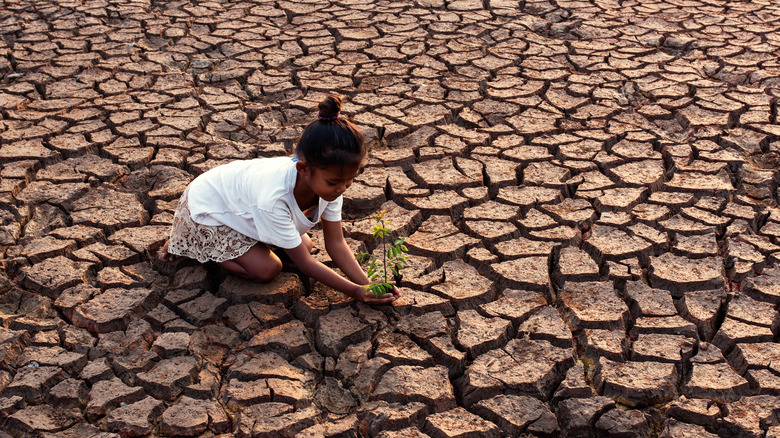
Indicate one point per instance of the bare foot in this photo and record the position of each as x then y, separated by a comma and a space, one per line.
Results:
165, 255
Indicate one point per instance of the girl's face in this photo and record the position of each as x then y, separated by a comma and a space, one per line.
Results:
329, 182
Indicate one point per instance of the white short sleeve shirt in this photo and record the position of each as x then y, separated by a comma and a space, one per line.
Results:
255, 198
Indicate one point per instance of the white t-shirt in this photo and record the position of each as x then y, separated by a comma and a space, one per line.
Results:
255, 198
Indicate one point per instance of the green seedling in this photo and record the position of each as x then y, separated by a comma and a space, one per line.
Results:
393, 258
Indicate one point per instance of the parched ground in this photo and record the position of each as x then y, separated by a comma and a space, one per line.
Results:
588, 190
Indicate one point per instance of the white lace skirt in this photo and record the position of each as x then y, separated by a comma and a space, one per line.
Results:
204, 242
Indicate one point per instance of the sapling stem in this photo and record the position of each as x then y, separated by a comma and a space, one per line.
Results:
394, 255
384, 248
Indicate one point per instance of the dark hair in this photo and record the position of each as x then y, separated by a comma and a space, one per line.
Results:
331, 140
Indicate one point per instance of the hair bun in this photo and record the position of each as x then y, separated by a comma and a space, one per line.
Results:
329, 108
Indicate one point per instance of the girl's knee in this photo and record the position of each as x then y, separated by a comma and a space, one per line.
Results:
267, 272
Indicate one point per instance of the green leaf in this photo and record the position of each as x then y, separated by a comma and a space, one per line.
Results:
379, 289
372, 288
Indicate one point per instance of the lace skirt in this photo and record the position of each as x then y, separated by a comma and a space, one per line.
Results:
204, 242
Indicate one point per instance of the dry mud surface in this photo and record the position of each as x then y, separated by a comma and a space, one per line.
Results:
588, 190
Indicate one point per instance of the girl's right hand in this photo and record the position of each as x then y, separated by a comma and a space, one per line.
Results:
368, 297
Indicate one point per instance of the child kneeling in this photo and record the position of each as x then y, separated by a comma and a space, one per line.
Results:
232, 213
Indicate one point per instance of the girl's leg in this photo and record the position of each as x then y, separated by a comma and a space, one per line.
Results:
259, 264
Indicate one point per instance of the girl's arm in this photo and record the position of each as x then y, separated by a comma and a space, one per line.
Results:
340, 253
301, 256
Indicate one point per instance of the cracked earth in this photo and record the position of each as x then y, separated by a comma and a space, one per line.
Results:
588, 190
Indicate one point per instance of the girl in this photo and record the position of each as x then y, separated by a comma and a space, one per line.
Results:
232, 213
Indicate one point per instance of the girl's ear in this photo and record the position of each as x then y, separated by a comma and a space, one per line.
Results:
301, 167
